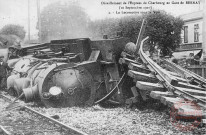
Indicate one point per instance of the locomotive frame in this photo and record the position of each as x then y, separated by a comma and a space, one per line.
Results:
84, 72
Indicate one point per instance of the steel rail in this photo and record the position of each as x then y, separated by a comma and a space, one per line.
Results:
165, 78
4, 131
66, 128
198, 79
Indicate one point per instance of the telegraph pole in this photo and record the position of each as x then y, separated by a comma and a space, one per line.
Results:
204, 30
39, 19
29, 20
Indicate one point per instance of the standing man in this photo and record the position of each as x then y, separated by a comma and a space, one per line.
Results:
4, 57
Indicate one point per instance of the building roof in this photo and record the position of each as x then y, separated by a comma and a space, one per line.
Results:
192, 16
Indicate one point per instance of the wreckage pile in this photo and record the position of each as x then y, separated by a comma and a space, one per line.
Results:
79, 72
181, 90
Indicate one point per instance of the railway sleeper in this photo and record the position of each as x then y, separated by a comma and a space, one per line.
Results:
142, 76
190, 86
127, 61
3, 131
126, 55
137, 98
150, 86
155, 86
139, 68
157, 91
185, 110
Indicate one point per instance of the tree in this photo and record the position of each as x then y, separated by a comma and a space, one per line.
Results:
106, 26
12, 29
164, 30
60, 21
130, 26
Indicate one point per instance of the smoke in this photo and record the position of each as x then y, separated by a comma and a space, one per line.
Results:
63, 21
9, 40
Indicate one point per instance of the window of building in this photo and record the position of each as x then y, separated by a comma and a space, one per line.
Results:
196, 33
185, 34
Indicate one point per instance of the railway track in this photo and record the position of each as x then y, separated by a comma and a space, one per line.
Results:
183, 91
54, 126
180, 89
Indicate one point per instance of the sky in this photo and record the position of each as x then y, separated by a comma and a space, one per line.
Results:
16, 11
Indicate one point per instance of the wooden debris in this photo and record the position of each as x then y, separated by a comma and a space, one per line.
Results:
174, 68
142, 76
139, 68
126, 55
187, 109
159, 94
170, 101
173, 73
127, 61
148, 76
201, 97
190, 86
192, 91
150, 86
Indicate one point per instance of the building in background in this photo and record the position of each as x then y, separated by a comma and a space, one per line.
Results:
193, 34
192, 50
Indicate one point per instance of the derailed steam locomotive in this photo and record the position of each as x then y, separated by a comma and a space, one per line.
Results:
71, 72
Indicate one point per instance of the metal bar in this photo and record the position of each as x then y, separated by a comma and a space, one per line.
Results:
164, 78
68, 128
139, 39
4, 131
71, 130
112, 92
196, 77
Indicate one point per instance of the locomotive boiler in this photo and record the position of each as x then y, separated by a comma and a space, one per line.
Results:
70, 72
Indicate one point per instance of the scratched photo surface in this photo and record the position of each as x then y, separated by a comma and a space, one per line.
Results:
102, 67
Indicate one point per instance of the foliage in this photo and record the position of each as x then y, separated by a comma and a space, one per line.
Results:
163, 29
60, 21
9, 40
107, 26
12, 29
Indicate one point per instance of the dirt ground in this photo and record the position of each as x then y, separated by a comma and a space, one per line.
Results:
152, 119
19, 122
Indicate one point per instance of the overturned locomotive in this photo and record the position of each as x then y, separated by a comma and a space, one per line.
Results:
71, 72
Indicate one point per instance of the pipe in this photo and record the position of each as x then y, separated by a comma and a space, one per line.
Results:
112, 92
